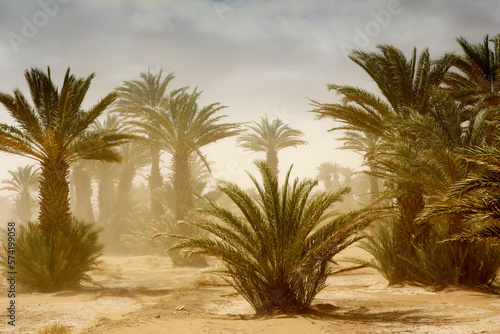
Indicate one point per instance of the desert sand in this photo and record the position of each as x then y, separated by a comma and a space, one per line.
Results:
146, 294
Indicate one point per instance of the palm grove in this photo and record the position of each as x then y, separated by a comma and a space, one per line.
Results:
429, 138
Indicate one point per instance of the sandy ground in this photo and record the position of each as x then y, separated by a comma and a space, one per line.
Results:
145, 294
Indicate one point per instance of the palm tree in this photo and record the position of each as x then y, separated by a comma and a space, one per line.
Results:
476, 198
406, 85
328, 172
271, 137
182, 130
56, 132
134, 98
24, 184
277, 251
479, 80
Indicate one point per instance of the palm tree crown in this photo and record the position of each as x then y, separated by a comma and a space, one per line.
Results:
56, 131
271, 137
480, 77
182, 130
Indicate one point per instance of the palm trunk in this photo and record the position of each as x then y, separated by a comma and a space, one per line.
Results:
54, 197
105, 195
374, 190
272, 161
183, 189
183, 203
124, 187
155, 181
25, 207
409, 208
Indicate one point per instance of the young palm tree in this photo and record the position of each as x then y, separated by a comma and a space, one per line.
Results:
55, 132
134, 98
271, 137
277, 250
24, 184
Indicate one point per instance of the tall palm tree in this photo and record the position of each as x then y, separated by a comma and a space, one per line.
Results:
55, 132
271, 137
182, 130
479, 79
135, 97
406, 85
24, 183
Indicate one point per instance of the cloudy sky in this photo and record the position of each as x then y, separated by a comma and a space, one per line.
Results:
256, 57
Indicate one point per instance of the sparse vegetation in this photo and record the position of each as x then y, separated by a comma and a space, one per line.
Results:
56, 328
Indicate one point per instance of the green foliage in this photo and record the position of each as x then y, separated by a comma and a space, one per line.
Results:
57, 261
434, 261
382, 245
277, 251
271, 137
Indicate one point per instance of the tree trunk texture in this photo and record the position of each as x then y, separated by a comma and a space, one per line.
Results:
183, 203
272, 161
124, 188
54, 197
409, 208
182, 184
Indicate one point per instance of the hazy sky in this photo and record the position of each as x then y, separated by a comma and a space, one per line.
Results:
256, 57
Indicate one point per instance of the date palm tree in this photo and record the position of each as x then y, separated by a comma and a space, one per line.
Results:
406, 86
24, 183
149, 92
328, 172
277, 250
271, 137
182, 130
56, 132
